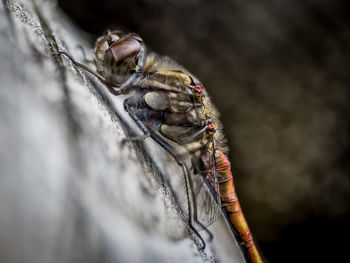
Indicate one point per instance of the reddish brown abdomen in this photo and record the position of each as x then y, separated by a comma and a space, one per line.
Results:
230, 204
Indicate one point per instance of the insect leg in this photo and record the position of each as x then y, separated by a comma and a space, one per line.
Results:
109, 86
178, 160
146, 83
139, 123
185, 172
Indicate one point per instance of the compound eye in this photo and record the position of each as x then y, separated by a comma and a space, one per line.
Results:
125, 48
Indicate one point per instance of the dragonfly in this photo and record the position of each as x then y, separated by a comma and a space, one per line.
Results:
171, 106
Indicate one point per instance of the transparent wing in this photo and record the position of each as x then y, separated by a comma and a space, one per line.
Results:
204, 195
206, 192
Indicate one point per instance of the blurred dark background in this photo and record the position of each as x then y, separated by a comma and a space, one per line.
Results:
278, 71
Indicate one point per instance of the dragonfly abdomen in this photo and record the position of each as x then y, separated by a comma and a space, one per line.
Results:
232, 208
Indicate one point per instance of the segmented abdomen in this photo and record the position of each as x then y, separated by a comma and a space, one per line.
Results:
230, 204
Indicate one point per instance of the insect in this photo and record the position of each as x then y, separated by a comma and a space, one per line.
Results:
172, 107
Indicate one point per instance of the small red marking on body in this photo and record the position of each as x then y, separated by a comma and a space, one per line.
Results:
211, 128
197, 88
